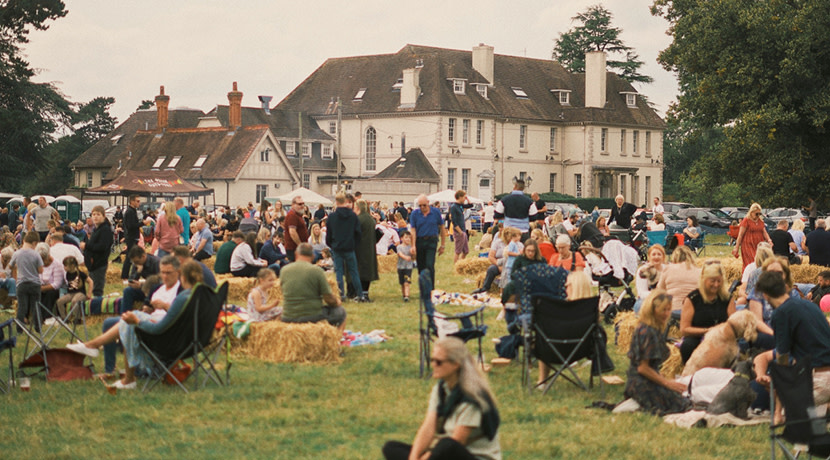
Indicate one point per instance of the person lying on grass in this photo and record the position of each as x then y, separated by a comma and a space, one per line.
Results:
462, 415
260, 307
191, 275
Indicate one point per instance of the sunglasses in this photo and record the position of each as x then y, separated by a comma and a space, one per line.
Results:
301, 204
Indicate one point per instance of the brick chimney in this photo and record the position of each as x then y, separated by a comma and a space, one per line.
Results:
411, 88
595, 79
483, 61
162, 102
235, 108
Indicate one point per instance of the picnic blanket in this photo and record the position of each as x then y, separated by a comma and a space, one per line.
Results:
693, 419
467, 300
356, 339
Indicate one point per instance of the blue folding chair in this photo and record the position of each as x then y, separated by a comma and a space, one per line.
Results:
7, 342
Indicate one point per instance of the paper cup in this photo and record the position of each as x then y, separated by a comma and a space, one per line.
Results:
25, 384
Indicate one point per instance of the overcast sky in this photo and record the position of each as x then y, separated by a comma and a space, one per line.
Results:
196, 49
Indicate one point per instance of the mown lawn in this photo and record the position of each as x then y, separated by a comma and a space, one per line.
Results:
341, 411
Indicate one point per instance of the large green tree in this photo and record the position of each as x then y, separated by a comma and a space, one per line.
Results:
29, 112
759, 71
595, 33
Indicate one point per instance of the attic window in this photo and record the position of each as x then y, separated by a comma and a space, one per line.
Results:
327, 152
564, 96
359, 96
630, 99
200, 162
482, 90
174, 162
159, 162
520, 93
398, 85
458, 85
116, 138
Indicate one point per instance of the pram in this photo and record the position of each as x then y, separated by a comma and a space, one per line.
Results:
636, 237
613, 266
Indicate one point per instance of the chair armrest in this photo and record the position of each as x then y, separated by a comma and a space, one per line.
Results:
464, 314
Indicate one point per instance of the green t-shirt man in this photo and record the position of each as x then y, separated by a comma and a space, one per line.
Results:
303, 286
222, 264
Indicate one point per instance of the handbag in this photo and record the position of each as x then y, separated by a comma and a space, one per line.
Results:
181, 370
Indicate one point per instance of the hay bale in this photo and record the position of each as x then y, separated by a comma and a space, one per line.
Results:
216, 245
472, 266
113, 273
388, 263
238, 288
673, 366
281, 342
494, 288
209, 262
732, 268
806, 273
624, 325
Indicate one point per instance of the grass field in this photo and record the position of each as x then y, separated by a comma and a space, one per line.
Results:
342, 411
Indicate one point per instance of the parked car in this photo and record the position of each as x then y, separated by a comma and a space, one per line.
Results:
790, 215
730, 209
566, 208
674, 206
709, 217
740, 214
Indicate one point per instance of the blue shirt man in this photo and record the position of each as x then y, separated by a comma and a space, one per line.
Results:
425, 225
183, 213
517, 209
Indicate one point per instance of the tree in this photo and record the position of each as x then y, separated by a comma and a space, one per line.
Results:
29, 112
759, 72
597, 34
146, 104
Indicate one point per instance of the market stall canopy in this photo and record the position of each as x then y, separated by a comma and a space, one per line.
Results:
49, 198
149, 183
310, 197
448, 196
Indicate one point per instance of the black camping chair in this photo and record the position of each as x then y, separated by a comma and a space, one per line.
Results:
190, 336
7, 342
794, 386
471, 324
559, 334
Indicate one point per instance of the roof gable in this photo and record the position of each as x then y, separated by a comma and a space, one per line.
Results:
412, 166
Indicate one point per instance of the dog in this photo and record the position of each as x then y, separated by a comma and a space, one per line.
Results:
719, 347
736, 397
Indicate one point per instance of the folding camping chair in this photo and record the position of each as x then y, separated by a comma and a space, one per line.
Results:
471, 324
794, 387
7, 342
560, 333
190, 336
40, 334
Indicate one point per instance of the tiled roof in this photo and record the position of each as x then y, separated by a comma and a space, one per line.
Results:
284, 123
344, 77
106, 152
413, 166
226, 153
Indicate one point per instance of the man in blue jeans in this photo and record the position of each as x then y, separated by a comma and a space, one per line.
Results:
426, 224
342, 236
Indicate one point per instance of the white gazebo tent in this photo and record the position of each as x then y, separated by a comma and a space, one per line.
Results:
448, 196
309, 197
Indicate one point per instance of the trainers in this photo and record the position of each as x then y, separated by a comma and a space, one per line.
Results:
82, 349
406, 299
50, 321
124, 386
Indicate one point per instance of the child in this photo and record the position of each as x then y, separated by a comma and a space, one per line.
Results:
79, 286
405, 263
326, 262
29, 267
259, 308
514, 247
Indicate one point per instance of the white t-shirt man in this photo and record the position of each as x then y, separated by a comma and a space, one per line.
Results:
166, 296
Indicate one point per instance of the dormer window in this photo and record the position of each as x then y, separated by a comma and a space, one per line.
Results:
398, 85
564, 96
520, 93
174, 162
289, 149
359, 96
630, 99
159, 162
200, 162
327, 152
116, 138
307, 149
482, 90
459, 85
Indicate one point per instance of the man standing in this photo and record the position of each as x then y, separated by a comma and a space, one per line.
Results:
14, 221
622, 212
401, 209
203, 246
304, 285
425, 225
801, 332
658, 206
459, 232
296, 231
132, 228
184, 214
40, 216
783, 244
541, 206
818, 244
488, 216
342, 236
517, 209
812, 213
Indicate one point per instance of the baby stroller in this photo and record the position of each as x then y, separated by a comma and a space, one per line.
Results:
636, 237
612, 267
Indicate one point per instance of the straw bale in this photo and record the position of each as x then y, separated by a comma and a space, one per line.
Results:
209, 262
732, 268
494, 288
238, 288
281, 342
472, 266
673, 366
806, 273
388, 263
113, 273
216, 245
624, 324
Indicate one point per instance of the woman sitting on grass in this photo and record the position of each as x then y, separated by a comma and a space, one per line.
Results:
191, 275
653, 392
260, 307
462, 415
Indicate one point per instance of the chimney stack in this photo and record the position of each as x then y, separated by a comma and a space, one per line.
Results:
483, 61
595, 71
266, 104
234, 108
411, 88
162, 102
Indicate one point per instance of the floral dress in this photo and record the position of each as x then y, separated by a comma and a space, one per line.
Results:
267, 315
754, 234
648, 344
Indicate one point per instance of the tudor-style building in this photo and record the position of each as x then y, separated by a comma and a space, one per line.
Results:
482, 119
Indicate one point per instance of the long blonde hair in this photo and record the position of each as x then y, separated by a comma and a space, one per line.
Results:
762, 253
470, 379
712, 269
580, 284
170, 213
683, 254
657, 298
316, 239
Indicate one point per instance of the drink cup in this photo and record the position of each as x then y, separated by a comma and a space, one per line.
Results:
25, 384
